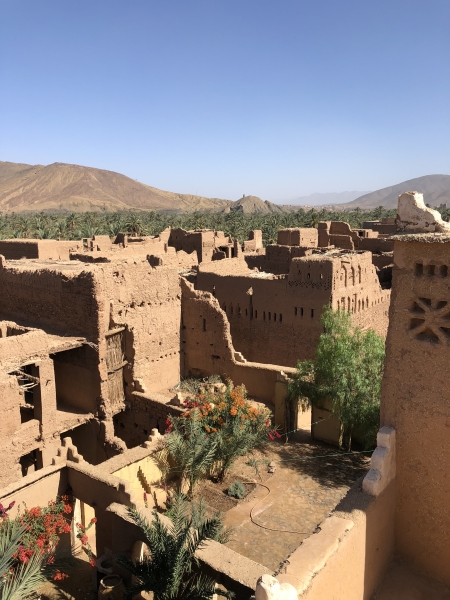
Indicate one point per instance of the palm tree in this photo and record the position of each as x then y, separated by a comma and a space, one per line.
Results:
171, 569
25, 579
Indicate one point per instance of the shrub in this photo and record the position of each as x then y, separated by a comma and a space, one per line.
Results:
237, 490
28, 547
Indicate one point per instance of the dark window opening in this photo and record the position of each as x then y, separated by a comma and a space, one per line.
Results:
264, 315
430, 270
443, 271
281, 317
31, 462
274, 316
312, 313
295, 311
301, 312
204, 324
256, 314
270, 316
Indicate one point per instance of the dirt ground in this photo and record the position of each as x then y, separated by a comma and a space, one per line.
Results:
310, 479
78, 586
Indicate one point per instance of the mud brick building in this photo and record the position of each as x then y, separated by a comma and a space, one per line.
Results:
91, 347
275, 319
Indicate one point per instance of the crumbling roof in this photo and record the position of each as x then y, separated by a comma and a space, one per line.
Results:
427, 238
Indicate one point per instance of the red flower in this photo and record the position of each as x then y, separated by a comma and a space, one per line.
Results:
58, 576
92, 562
94, 520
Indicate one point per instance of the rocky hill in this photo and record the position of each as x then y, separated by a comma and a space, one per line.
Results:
253, 204
73, 188
435, 188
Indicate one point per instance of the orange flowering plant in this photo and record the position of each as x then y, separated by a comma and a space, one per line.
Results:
229, 420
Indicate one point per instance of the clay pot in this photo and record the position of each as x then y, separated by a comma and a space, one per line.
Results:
111, 587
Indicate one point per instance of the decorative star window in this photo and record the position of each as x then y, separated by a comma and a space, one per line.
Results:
430, 320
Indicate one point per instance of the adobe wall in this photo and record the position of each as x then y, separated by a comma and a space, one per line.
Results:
61, 297
144, 413
298, 236
276, 319
35, 489
341, 235
43, 249
415, 399
147, 302
201, 242
277, 259
208, 348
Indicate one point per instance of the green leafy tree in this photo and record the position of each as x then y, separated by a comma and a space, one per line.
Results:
347, 371
171, 569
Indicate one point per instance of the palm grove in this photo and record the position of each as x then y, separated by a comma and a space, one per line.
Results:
75, 226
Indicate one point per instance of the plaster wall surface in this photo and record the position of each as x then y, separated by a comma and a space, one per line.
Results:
415, 399
354, 566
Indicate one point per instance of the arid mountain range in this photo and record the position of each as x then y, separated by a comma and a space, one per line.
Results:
72, 188
435, 188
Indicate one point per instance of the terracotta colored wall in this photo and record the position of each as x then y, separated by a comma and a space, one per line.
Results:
42, 249
415, 400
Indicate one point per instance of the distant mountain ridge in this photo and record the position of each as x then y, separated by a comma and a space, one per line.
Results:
435, 188
61, 187
73, 188
325, 198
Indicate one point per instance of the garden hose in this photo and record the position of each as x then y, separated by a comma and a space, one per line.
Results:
263, 526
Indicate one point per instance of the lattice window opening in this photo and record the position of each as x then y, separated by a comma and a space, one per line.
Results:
430, 320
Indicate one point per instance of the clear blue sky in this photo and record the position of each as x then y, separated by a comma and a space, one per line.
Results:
276, 98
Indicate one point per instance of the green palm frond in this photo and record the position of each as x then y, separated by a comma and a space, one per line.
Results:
25, 581
170, 570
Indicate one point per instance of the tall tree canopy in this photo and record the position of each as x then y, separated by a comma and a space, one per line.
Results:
347, 370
